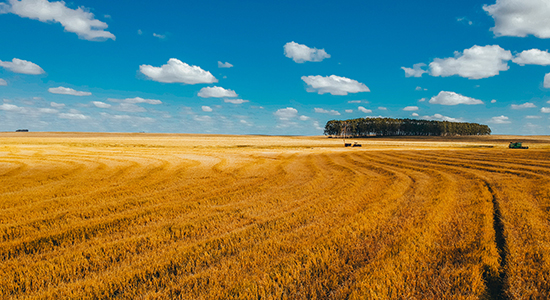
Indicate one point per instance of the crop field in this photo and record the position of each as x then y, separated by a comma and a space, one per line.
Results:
145, 216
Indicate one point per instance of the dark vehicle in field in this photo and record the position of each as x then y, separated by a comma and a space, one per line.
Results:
517, 145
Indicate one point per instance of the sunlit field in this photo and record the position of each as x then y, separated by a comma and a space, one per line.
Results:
165, 216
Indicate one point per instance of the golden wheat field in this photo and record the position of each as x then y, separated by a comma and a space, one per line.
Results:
153, 216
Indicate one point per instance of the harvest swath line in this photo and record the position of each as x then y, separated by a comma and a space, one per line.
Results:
82, 219
494, 281
420, 166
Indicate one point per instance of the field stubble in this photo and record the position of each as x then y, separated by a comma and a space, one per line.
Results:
165, 217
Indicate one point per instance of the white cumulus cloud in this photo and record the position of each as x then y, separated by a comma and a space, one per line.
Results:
128, 104
47, 111
176, 71
500, 120
532, 57
286, 114
11, 107
317, 126
452, 98
129, 107
474, 63
415, 71
101, 104
520, 18
324, 111
68, 91
224, 65
202, 118
349, 111
79, 21
246, 123
364, 110
73, 116
546, 83
304, 118
545, 110
524, 105
439, 117
410, 108
137, 120
216, 92
235, 101
3, 82
22, 66
382, 108
302, 53
206, 108
57, 105
160, 36
136, 100
335, 85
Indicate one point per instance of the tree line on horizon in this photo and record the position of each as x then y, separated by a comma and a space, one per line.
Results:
365, 127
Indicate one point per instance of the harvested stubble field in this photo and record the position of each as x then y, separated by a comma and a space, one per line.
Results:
144, 216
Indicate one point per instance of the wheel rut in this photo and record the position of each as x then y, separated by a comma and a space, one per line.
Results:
495, 282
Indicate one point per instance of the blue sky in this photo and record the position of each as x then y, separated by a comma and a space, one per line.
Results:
272, 67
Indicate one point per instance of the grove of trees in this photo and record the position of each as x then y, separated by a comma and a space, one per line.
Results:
364, 127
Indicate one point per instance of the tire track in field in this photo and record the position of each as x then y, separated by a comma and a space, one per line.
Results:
408, 158
499, 280
495, 282
415, 207
525, 229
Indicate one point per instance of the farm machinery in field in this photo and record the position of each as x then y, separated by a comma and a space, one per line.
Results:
350, 145
517, 145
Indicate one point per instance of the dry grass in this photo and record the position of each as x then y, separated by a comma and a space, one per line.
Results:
143, 216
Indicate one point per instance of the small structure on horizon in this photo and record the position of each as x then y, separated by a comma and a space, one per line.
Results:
22, 130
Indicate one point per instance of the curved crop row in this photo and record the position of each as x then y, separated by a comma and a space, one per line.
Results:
240, 224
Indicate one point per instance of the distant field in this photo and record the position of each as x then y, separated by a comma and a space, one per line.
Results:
167, 216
